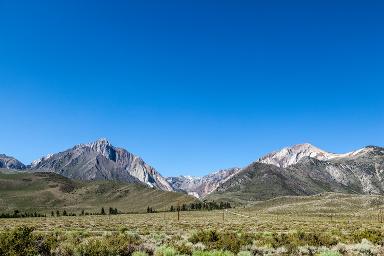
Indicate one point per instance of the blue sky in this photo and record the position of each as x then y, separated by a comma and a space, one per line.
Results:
191, 86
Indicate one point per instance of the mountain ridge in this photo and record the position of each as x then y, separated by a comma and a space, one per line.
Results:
291, 155
100, 160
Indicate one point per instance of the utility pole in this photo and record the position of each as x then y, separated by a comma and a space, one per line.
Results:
178, 211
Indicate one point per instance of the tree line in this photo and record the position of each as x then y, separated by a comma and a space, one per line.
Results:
18, 214
57, 213
111, 211
199, 206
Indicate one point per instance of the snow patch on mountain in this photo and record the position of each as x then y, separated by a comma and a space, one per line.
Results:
292, 155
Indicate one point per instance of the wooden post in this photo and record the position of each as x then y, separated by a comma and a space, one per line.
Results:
178, 211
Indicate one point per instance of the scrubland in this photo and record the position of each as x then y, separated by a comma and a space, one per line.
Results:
253, 230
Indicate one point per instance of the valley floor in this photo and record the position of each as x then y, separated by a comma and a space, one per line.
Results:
283, 226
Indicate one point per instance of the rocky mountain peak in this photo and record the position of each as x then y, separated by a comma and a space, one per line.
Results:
101, 160
102, 142
104, 147
9, 162
292, 155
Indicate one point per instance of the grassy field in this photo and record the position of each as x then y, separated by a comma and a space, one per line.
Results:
328, 224
322, 212
324, 224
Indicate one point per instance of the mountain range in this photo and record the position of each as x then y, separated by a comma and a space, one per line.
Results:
202, 186
302, 169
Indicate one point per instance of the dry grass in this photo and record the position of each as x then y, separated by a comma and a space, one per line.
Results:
251, 221
285, 226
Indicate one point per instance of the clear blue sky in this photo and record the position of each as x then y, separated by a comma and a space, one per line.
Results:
191, 86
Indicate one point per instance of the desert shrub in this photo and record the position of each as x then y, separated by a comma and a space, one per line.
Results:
296, 239
128, 250
244, 253
95, 246
221, 241
139, 254
212, 253
147, 248
19, 241
364, 248
183, 247
232, 242
123, 243
306, 250
165, 251
291, 242
71, 237
45, 243
373, 235
204, 236
64, 249
22, 241
124, 229
199, 247
329, 253
133, 238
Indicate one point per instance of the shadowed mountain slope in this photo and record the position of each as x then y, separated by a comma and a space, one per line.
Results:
44, 192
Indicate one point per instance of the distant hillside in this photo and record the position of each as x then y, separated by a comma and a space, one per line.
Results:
44, 192
320, 204
201, 186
